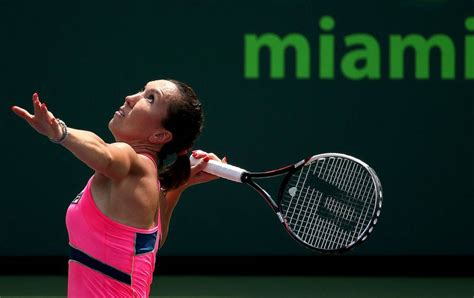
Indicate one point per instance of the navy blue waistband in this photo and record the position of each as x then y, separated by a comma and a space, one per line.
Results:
97, 265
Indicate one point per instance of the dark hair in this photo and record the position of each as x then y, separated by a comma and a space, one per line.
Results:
185, 121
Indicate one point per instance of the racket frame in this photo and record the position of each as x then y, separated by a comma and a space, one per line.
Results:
240, 175
246, 178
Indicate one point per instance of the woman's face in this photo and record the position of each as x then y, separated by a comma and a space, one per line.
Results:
139, 119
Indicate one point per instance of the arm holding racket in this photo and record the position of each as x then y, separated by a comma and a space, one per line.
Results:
220, 169
329, 202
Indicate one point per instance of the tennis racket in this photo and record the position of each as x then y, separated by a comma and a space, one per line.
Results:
328, 202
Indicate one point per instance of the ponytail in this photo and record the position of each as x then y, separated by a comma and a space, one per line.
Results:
185, 121
176, 174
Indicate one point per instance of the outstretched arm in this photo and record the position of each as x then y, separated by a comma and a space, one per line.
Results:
112, 160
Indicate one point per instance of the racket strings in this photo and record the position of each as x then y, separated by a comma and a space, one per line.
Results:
308, 233
351, 202
332, 228
358, 186
326, 221
348, 185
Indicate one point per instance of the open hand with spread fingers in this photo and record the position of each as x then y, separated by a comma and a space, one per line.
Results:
43, 121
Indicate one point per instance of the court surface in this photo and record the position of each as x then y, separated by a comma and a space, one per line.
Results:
262, 286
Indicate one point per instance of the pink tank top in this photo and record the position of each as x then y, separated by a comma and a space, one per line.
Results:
107, 258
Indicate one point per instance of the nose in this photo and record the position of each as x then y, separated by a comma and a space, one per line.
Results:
131, 100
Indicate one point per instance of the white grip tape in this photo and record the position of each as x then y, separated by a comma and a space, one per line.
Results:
220, 169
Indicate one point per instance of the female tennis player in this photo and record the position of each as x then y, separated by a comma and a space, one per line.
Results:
121, 218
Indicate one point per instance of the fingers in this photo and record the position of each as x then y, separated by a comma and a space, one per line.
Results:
47, 114
213, 156
202, 163
198, 154
22, 113
40, 117
36, 104
198, 174
41, 110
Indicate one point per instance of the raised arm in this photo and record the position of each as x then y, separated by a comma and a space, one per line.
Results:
112, 160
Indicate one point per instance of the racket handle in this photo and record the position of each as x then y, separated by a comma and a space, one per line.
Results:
220, 169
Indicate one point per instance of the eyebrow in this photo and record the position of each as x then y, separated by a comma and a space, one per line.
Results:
154, 91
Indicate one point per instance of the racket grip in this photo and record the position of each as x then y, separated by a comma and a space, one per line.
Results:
220, 169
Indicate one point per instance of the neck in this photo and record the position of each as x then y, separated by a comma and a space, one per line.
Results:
146, 149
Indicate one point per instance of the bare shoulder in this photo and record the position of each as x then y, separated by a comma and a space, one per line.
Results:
123, 149
138, 164
132, 200
122, 161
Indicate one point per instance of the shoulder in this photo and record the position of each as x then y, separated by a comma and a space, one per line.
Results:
122, 146
124, 161
126, 153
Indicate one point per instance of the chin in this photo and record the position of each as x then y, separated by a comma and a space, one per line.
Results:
115, 132
111, 128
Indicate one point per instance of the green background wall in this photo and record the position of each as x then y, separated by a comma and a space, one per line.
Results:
84, 57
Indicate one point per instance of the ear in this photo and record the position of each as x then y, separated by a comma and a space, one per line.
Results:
161, 137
